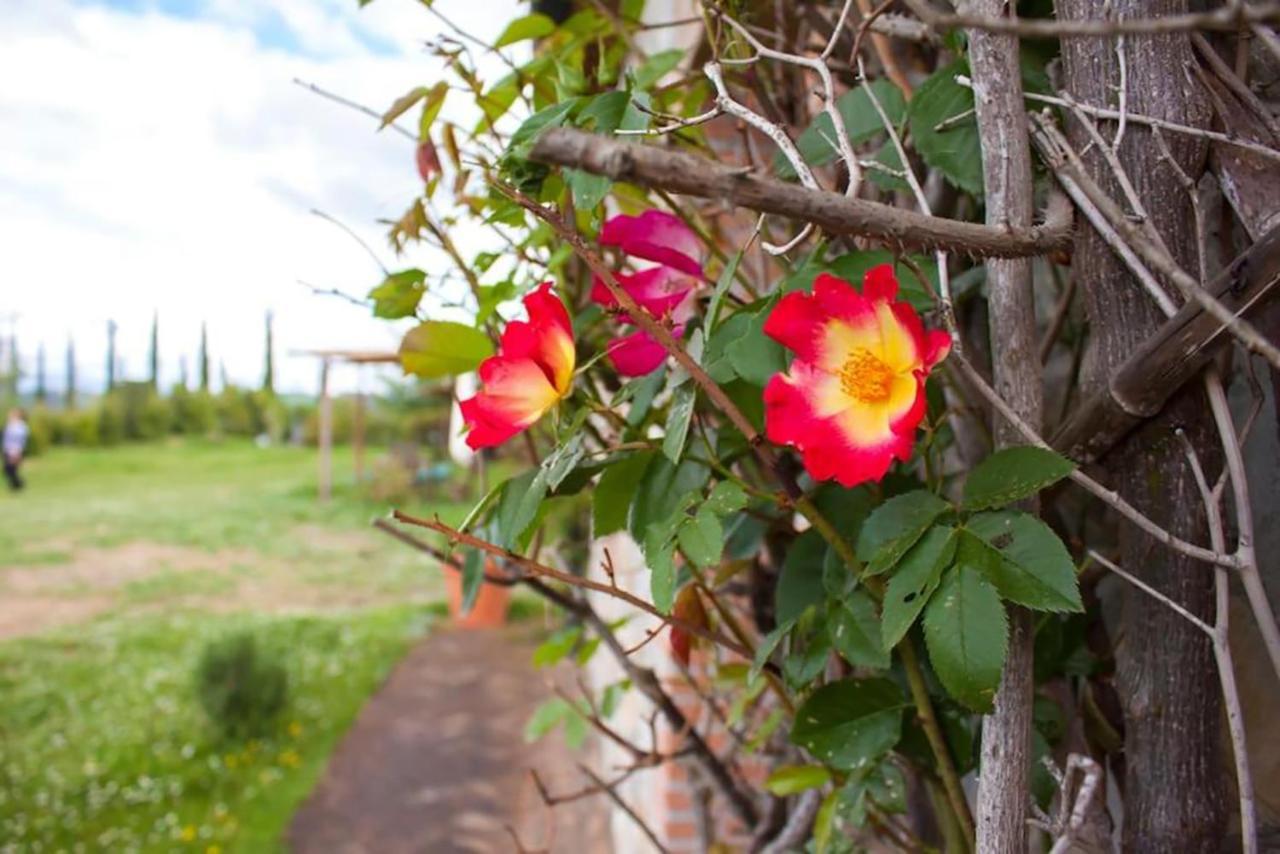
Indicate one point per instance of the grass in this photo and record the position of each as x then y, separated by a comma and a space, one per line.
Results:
106, 748
102, 743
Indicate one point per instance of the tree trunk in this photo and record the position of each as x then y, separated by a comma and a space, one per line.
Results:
1174, 783
1004, 790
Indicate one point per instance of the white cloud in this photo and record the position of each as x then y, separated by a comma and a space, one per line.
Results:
161, 162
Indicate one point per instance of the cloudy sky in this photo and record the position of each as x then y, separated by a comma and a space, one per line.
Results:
155, 156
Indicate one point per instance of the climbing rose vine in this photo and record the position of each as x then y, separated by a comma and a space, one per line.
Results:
826, 541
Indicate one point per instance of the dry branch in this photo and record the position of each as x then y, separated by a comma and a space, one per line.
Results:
680, 172
1228, 17
1176, 353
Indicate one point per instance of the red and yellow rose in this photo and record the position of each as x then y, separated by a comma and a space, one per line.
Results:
854, 394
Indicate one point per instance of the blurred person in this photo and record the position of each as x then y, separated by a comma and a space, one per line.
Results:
16, 433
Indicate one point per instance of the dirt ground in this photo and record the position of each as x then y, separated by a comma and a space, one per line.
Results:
89, 581
436, 761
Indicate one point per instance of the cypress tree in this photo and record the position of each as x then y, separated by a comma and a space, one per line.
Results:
154, 355
15, 370
204, 357
268, 372
42, 390
182, 372
111, 355
70, 392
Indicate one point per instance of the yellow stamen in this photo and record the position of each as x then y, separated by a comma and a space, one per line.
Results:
866, 377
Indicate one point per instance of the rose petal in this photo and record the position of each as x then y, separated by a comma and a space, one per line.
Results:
514, 394
655, 236
636, 355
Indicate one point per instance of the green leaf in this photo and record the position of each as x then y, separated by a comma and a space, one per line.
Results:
556, 647
399, 294
545, 718
442, 348
888, 156
726, 497
606, 113
715, 357
849, 722
818, 145
431, 105
895, 526
659, 554
765, 648
954, 151
888, 788
658, 546
662, 487
800, 581
560, 462
701, 538
533, 26
855, 632
611, 500
1036, 570
824, 823
518, 506
527, 134
846, 508
656, 67
722, 287
472, 578
966, 633
678, 418
403, 104
1013, 474
576, 728
793, 779
495, 102
808, 660
755, 356
914, 581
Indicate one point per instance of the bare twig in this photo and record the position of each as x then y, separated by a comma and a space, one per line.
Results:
542, 570
625, 807
359, 108
1066, 163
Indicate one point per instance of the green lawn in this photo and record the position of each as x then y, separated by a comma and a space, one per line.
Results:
117, 566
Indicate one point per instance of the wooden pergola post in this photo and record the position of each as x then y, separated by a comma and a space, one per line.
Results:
325, 434
359, 358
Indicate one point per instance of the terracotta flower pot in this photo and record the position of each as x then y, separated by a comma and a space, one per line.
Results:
490, 607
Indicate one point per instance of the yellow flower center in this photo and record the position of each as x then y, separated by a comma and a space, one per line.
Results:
865, 377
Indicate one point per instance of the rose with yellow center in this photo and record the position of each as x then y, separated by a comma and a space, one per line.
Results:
854, 394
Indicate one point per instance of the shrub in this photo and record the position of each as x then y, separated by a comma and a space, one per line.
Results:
237, 415
110, 417
242, 690
145, 414
41, 422
271, 415
83, 428
193, 412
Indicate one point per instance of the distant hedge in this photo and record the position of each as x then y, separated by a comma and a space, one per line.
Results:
136, 412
